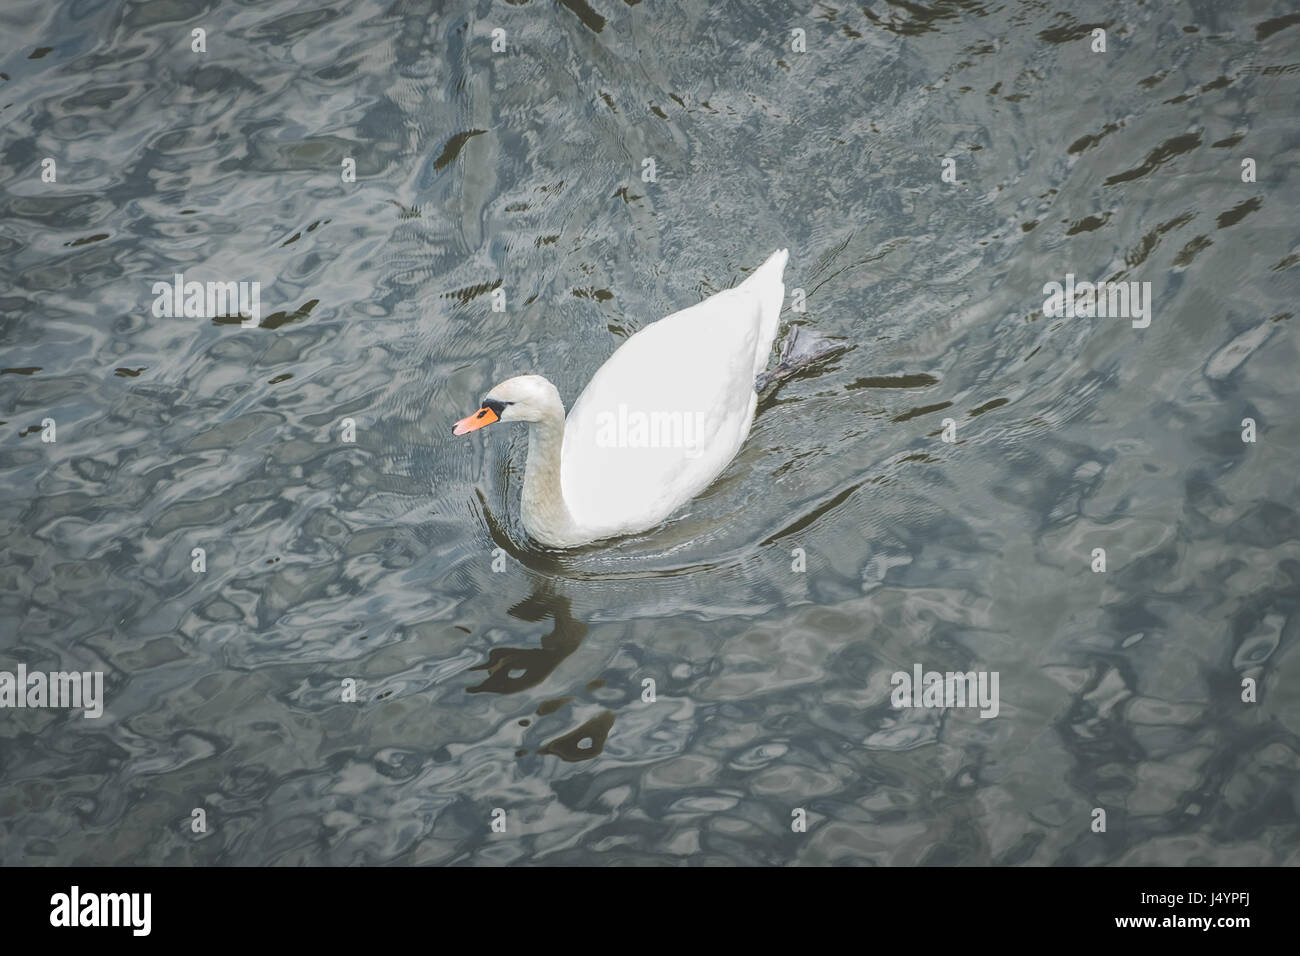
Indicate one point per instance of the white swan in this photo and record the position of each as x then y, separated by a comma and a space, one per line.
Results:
656, 424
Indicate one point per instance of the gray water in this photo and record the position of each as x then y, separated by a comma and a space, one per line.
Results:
520, 173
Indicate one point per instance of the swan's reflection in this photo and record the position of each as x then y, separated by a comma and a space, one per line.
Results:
513, 669
584, 742
535, 663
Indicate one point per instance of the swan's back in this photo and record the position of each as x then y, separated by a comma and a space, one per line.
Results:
670, 408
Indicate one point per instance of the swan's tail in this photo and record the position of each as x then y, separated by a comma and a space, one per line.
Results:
766, 283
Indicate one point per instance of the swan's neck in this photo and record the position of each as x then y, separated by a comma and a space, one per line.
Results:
544, 512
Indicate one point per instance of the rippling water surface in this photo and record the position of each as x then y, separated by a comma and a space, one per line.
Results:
520, 173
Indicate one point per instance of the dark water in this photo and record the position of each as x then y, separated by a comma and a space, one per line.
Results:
521, 171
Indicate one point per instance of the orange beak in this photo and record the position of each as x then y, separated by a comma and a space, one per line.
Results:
484, 416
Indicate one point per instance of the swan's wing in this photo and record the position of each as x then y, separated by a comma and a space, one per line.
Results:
767, 285
663, 417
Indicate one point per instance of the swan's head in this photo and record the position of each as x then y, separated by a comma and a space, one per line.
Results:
524, 398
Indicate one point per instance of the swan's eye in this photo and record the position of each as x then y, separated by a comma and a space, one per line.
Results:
495, 404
